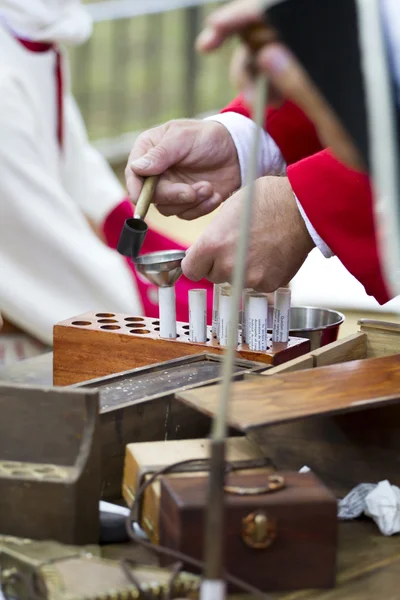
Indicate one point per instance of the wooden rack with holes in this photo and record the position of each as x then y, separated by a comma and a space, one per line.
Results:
98, 344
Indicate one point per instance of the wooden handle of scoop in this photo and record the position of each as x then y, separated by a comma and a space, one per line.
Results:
145, 197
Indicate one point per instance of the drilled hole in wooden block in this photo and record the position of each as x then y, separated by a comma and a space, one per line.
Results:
186, 332
107, 321
140, 331
134, 319
110, 327
185, 326
155, 322
19, 472
156, 329
81, 323
105, 315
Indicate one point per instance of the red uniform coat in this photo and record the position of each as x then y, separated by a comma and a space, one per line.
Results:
336, 199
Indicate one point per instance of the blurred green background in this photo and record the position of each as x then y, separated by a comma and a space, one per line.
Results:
140, 71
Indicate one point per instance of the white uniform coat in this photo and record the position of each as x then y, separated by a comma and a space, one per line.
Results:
52, 265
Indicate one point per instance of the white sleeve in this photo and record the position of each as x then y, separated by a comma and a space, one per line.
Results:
270, 161
88, 177
318, 241
52, 266
242, 129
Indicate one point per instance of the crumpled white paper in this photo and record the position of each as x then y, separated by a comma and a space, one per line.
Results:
305, 469
381, 502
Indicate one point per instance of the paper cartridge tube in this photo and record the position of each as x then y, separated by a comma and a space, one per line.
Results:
224, 321
245, 312
258, 321
215, 310
281, 324
167, 308
198, 315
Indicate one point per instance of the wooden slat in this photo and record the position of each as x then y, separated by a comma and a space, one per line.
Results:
383, 339
354, 347
329, 390
370, 324
297, 364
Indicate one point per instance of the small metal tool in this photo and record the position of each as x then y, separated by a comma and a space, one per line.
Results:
163, 269
134, 231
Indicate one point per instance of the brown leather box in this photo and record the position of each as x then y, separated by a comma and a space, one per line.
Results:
297, 528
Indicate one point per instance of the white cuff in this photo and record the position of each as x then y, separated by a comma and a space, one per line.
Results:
318, 241
242, 129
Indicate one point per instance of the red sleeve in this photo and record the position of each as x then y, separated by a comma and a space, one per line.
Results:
338, 202
291, 130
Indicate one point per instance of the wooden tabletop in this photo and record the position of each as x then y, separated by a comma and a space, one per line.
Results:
368, 562
368, 565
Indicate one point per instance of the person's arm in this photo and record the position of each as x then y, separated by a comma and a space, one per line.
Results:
51, 265
291, 130
338, 202
334, 200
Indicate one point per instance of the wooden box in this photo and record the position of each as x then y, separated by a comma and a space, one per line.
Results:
341, 420
142, 460
94, 345
140, 406
49, 464
300, 532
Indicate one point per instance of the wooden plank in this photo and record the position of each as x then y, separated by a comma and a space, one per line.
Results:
371, 324
351, 386
383, 338
297, 364
354, 347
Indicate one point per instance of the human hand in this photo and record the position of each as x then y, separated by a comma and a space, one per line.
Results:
228, 20
198, 164
279, 240
287, 78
